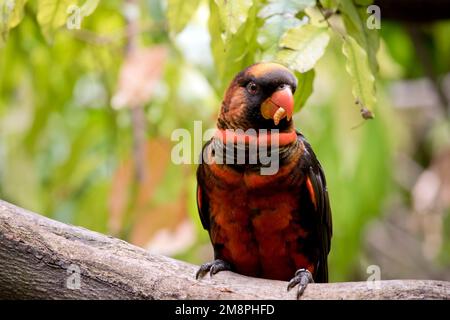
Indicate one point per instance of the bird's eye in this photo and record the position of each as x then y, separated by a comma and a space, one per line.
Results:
252, 87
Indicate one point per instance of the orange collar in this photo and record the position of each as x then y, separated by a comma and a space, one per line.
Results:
284, 138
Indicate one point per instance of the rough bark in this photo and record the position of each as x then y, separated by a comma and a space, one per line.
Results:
37, 255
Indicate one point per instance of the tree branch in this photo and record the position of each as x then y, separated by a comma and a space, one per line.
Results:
36, 254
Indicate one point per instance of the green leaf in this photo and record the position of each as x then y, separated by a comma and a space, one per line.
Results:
89, 7
272, 30
179, 12
316, 17
215, 31
11, 13
363, 80
284, 7
52, 14
364, 2
355, 24
279, 16
329, 4
304, 88
235, 53
233, 13
303, 46
17, 13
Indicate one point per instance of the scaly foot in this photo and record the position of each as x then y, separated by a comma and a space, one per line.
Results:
301, 278
213, 267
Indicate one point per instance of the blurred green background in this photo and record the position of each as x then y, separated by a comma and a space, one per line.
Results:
86, 118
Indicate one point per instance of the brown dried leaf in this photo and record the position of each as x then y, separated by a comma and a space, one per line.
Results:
157, 157
165, 218
139, 74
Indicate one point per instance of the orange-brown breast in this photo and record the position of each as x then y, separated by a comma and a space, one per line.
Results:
256, 221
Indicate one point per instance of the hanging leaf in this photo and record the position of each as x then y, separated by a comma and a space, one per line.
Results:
232, 54
329, 4
138, 76
284, 7
11, 13
304, 88
303, 47
233, 14
363, 80
89, 7
316, 17
355, 24
17, 12
364, 2
215, 30
52, 14
272, 30
179, 12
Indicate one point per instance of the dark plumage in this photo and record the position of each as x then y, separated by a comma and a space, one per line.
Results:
274, 226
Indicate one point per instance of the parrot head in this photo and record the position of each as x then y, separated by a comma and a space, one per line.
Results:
259, 97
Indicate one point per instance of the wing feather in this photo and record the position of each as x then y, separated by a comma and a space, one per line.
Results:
321, 204
202, 197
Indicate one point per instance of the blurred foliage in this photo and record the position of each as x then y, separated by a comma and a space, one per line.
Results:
68, 139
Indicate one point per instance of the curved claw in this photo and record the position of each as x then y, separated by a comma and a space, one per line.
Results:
213, 267
204, 268
301, 278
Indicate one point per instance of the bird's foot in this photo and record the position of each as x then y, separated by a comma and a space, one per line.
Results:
301, 278
213, 267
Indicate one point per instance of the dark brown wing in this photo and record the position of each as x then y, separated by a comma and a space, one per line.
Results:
202, 198
317, 186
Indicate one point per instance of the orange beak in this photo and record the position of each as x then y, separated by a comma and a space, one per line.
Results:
279, 105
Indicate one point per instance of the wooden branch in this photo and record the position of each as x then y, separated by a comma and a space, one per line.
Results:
37, 255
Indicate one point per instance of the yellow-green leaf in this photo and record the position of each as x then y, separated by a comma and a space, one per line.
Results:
233, 13
89, 7
17, 13
329, 4
11, 13
355, 20
303, 46
363, 2
363, 80
304, 88
284, 7
236, 52
274, 27
52, 14
179, 12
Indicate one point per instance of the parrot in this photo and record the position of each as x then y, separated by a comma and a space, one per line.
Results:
272, 226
